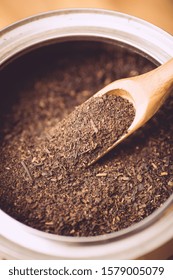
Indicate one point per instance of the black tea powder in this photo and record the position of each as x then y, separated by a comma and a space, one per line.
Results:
45, 180
89, 130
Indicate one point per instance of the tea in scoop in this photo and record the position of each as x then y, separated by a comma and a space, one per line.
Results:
90, 130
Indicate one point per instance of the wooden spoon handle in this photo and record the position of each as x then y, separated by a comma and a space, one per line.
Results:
159, 81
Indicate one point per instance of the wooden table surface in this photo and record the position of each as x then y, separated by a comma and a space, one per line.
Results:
158, 12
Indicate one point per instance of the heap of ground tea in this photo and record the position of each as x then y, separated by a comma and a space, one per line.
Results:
88, 131
121, 189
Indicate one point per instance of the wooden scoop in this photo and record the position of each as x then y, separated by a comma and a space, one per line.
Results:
147, 92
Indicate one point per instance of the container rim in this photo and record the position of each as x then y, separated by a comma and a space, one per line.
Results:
85, 22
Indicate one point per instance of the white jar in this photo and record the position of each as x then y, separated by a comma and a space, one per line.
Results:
150, 238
